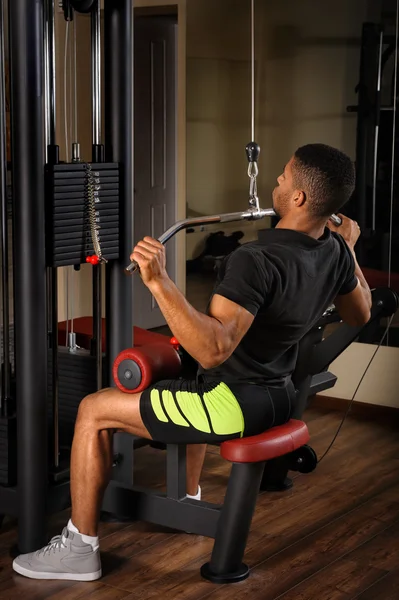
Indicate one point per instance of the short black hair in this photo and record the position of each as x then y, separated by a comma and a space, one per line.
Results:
326, 175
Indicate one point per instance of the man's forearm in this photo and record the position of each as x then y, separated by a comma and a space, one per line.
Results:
200, 335
362, 280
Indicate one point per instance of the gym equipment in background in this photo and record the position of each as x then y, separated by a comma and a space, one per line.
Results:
375, 201
48, 382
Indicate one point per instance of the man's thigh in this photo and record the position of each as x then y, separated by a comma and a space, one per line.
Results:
191, 412
113, 409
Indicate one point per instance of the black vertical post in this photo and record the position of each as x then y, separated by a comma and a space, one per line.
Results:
119, 63
26, 60
119, 99
6, 381
235, 520
176, 471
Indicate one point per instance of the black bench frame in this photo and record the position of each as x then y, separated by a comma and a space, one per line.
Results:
230, 523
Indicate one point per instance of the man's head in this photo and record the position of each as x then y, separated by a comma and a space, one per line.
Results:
318, 179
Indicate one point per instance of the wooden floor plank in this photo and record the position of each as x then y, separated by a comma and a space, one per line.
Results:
386, 588
29, 589
151, 569
291, 564
325, 586
357, 570
296, 538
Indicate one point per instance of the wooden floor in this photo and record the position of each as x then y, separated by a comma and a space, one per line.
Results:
334, 536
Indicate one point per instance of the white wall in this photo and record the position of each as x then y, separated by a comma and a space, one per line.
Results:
381, 382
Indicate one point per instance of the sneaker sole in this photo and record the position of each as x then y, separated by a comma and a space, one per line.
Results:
42, 575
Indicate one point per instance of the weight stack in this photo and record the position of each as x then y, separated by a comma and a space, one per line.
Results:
69, 189
76, 379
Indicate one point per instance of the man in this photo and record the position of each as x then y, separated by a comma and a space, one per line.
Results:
268, 295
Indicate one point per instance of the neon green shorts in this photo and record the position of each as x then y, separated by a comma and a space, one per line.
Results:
202, 411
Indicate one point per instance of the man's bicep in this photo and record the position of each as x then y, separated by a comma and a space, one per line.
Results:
235, 320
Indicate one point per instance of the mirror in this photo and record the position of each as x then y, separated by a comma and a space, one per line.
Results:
316, 79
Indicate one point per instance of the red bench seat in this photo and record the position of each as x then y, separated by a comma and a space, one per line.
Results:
273, 443
249, 456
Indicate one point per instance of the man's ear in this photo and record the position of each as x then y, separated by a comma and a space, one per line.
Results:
299, 198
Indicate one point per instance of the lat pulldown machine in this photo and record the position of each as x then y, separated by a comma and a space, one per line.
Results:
64, 214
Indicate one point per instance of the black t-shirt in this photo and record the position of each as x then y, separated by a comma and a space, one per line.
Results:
286, 280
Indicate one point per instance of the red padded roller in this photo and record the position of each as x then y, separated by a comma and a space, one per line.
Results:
275, 442
135, 369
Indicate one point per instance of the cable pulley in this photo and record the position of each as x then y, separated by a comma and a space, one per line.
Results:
81, 6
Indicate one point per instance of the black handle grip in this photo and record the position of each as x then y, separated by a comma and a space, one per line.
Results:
252, 149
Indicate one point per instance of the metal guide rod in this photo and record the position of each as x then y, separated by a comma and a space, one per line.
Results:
248, 215
52, 273
96, 71
96, 117
49, 75
75, 144
6, 391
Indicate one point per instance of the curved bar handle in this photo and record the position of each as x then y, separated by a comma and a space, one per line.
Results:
336, 220
248, 215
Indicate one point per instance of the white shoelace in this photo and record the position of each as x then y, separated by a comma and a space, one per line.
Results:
56, 543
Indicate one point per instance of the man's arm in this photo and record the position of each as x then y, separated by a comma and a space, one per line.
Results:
355, 307
209, 339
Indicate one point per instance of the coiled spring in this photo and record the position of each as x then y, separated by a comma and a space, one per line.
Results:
91, 195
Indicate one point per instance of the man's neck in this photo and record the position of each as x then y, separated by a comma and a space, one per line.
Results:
314, 229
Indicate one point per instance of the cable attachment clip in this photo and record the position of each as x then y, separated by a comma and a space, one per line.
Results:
92, 197
252, 150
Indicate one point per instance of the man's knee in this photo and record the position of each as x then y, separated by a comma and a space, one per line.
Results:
88, 409
92, 406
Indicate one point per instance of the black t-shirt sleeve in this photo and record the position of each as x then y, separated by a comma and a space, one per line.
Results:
245, 281
350, 281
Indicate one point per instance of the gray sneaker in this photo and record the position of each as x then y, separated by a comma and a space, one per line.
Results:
67, 556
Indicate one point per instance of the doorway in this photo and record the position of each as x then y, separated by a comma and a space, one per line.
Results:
155, 141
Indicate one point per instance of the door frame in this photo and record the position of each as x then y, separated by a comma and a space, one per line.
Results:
179, 8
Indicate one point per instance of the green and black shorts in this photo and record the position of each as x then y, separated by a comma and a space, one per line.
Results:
202, 411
